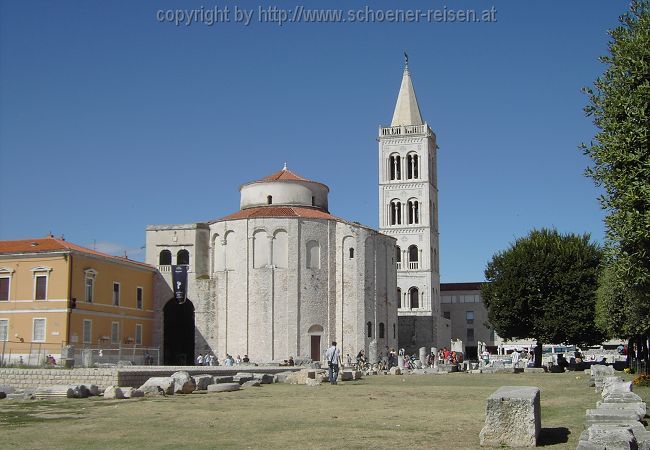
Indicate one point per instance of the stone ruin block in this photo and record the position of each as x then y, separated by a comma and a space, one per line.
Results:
264, 378
224, 387
601, 416
349, 375
621, 397
513, 417
158, 384
282, 377
242, 377
611, 386
598, 437
130, 392
638, 407
222, 379
113, 393
203, 381
183, 383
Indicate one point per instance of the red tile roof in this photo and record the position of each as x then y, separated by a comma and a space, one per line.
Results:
280, 211
284, 174
473, 286
288, 211
52, 244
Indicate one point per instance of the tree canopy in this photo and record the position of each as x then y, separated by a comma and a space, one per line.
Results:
544, 287
618, 103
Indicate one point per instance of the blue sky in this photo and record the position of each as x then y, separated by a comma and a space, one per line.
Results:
111, 120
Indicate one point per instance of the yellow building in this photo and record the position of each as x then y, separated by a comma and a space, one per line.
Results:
54, 293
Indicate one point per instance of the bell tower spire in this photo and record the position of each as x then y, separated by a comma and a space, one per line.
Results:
407, 110
408, 211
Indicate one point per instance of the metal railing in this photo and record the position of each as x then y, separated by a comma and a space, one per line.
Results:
92, 355
22, 353
17, 353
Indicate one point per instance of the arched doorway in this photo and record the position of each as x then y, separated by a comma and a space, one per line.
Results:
315, 332
178, 337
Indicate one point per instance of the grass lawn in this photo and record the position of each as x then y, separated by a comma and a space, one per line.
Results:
425, 411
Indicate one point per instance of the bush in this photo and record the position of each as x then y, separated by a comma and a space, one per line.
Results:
642, 380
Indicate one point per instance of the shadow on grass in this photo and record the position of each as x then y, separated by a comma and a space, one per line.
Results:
553, 436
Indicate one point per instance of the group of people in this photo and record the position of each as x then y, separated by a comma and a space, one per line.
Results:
288, 362
210, 359
447, 356
384, 361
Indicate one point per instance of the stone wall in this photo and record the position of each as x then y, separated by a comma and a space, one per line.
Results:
131, 376
416, 332
33, 378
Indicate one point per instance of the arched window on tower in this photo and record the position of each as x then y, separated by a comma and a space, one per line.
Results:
369, 326
399, 298
351, 253
413, 212
395, 212
398, 257
269, 199
183, 258
413, 257
165, 258
414, 296
412, 166
382, 331
395, 162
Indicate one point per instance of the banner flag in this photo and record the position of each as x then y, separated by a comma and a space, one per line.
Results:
179, 280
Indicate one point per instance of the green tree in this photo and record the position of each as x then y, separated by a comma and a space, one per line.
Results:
544, 287
618, 103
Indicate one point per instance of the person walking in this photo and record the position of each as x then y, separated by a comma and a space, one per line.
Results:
333, 356
515, 358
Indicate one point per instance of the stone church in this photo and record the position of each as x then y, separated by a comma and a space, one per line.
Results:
280, 277
283, 277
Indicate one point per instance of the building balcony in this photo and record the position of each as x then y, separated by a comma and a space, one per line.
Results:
414, 265
399, 265
403, 130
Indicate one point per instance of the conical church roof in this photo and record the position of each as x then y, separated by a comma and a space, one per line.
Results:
407, 110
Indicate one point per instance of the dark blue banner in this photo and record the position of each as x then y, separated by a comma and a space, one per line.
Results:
179, 282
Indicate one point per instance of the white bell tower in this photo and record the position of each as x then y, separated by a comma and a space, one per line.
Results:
408, 211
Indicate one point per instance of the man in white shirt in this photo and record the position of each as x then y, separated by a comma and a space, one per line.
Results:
515, 358
333, 357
